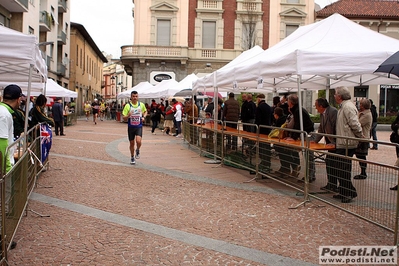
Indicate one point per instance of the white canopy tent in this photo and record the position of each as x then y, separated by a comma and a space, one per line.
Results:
329, 53
164, 89
207, 81
141, 87
187, 82
54, 90
21, 62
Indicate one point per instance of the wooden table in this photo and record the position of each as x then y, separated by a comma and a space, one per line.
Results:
263, 138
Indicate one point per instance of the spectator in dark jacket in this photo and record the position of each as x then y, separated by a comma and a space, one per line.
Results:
279, 117
38, 114
308, 124
284, 104
231, 112
209, 109
289, 158
155, 114
263, 117
248, 113
243, 108
276, 103
58, 116
374, 114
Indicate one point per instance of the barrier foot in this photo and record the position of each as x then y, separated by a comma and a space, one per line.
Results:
46, 167
252, 179
304, 203
260, 176
213, 162
314, 193
38, 185
38, 214
49, 167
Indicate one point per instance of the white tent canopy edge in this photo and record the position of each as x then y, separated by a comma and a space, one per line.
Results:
21, 62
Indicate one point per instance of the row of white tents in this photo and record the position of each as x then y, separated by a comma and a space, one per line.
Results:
330, 53
164, 89
326, 54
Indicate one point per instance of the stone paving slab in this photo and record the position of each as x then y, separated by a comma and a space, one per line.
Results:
170, 209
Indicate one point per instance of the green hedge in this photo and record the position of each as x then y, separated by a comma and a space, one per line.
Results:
386, 120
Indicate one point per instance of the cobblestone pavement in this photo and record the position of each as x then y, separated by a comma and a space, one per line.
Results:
170, 209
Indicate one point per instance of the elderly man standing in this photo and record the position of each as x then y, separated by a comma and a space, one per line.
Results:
231, 112
328, 121
348, 125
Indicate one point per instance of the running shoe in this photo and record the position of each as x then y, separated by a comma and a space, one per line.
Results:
132, 161
137, 154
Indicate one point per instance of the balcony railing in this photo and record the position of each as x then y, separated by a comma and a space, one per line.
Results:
156, 51
25, 3
182, 53
61, 37
249, 7
48, 62
45, 21
210, 4
17, 6
61, 69
62, 6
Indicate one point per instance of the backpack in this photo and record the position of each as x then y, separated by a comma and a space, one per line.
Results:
394, 137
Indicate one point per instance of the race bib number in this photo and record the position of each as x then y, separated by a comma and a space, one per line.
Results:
135, 120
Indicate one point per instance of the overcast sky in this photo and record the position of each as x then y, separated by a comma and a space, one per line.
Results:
110, 22
323, 3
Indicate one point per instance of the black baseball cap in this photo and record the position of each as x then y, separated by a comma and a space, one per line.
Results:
12, 92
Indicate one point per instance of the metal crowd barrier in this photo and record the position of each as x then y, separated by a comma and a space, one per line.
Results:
375, 202
17, 184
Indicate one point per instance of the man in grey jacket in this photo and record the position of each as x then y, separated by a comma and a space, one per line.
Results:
328, 121
348, 125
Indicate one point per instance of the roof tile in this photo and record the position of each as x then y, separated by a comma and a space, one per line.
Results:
362, 8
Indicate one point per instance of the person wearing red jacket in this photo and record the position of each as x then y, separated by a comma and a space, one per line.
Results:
177, 109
